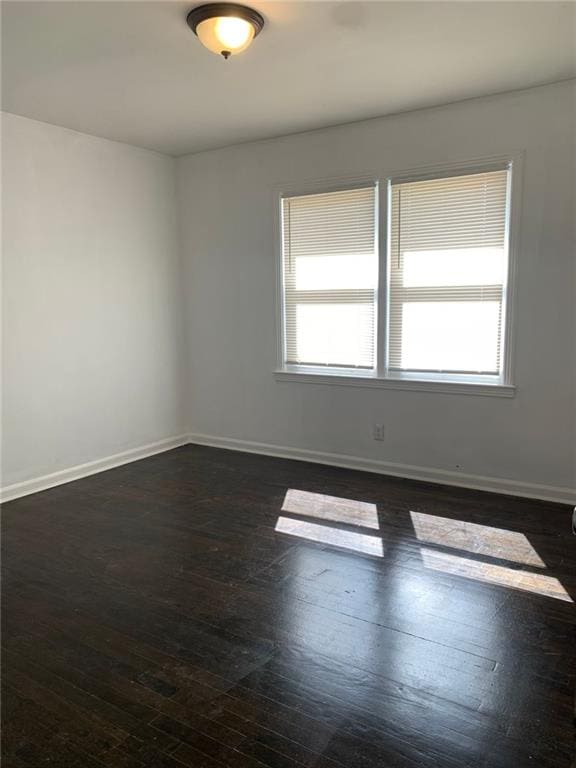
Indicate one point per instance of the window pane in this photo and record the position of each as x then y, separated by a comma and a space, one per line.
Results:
335, 334
458, 266
447, 273
355, 270
451, 336
330, 278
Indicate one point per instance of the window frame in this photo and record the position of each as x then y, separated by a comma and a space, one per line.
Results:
500, 385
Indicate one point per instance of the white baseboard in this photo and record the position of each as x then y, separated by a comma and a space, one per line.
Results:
44, 482
427, 474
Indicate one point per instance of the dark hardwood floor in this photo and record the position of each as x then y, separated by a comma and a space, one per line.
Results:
209, 608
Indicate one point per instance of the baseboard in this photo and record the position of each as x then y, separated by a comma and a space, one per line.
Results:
44, 482
426, 474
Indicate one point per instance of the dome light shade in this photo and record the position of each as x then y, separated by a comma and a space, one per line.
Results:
225, 28
225, 34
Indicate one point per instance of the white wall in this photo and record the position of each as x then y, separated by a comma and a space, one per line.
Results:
94, 351
227, 216
91, 303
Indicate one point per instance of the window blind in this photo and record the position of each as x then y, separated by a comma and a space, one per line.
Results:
447, 272
330, 278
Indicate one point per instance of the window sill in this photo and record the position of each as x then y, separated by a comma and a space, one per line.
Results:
368, 380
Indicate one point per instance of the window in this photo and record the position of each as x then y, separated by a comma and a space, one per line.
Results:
447, 268
430, 307
330, 278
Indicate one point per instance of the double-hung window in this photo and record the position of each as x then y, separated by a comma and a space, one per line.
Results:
416, 293
330, 279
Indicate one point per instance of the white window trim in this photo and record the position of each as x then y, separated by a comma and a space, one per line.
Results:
370, 381
381, 378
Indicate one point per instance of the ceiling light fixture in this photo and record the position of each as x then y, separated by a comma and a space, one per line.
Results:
225, 28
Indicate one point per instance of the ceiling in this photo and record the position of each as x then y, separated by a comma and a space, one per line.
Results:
134, 72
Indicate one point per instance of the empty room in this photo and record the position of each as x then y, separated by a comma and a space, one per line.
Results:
288, 425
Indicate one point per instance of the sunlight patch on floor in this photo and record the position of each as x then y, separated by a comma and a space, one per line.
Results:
537, 583
479, 539
357, 542
332, 508
441, 532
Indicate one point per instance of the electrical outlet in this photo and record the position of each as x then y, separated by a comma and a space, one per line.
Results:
378, 432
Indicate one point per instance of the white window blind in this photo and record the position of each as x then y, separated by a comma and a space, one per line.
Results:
330, 268
447, 273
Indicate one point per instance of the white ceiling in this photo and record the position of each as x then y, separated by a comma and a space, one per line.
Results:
134, 72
